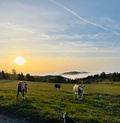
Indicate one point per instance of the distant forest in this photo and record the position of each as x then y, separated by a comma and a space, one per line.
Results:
97, 78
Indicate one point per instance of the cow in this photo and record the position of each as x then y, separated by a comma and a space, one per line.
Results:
78, 91
58, 86
22, 87
68, 119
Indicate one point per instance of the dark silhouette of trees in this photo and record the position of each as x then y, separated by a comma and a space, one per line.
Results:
20, 76
114, 77
13, 75
29, 77
59, 79
103, 75
4, 75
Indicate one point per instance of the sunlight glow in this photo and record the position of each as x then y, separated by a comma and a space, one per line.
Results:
19, 60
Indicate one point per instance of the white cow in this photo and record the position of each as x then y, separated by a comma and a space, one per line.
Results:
78, 91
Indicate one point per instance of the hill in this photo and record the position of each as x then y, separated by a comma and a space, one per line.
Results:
73, 73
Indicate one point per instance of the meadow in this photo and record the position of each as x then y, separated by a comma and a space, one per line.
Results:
101, 102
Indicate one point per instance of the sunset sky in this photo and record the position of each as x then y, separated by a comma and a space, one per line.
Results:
60, 35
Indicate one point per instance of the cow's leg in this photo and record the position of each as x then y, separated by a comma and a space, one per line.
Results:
78, 96
17, 93
26, 92
81, 95
23, 94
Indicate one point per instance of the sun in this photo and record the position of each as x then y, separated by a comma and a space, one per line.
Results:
19, 60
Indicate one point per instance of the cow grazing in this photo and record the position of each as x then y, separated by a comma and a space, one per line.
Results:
22, 87
78, 91
58, 86
68, 119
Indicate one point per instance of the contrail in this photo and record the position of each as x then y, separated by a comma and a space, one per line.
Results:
81, 18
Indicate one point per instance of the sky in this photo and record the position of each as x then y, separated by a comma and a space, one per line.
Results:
60, 35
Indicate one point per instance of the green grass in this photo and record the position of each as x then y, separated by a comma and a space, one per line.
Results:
101, 102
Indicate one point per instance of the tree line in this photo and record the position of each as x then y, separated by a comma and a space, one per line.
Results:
20, 76
112, 77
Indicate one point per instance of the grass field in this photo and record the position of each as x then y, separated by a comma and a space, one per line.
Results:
101, 102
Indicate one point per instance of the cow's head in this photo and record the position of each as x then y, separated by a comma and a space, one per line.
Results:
68, 119
82, 86
64, 115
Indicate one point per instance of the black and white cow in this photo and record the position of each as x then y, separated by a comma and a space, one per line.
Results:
68, 119
78, 91
58, 86
22, 87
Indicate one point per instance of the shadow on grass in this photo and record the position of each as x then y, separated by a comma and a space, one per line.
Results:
28, 111
21, 109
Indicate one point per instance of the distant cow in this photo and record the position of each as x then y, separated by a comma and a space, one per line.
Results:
68, 119
22, 87
58, 86
78, 91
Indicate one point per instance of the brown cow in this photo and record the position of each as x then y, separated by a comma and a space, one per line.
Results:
22, 87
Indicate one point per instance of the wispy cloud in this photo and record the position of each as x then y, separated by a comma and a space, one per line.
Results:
13, 32
83, 19
12, 26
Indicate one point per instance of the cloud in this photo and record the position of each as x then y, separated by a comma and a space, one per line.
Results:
56, 30
11, 32
12, 26
83, 19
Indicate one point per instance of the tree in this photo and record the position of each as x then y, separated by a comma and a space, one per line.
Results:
30, 78
20, 76
103, 75
14, 74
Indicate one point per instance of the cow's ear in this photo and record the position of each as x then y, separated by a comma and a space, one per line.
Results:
62, 113
67, 113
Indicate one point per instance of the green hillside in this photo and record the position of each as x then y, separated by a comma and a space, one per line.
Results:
101, 102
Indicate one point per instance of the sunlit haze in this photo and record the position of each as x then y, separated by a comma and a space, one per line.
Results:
19, 60
60, 35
